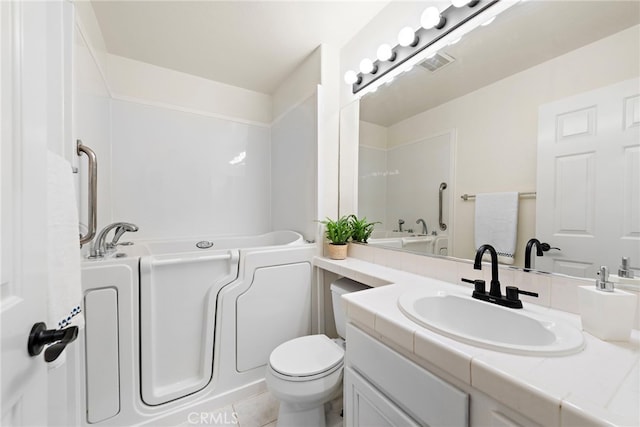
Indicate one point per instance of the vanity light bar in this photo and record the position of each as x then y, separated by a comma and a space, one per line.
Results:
452, 18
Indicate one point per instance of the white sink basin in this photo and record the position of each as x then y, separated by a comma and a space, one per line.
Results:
491, 326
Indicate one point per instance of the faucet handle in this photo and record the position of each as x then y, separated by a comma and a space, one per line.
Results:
513, 292
479, 285
545, 247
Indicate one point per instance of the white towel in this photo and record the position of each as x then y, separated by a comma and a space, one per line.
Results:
497, 223
63, 246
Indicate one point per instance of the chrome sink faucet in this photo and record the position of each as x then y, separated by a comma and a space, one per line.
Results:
424, 226
100, 247
400, 222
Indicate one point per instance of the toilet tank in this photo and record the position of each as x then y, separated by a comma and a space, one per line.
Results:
338, 288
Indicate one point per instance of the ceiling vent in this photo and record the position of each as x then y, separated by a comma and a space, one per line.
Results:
437, 62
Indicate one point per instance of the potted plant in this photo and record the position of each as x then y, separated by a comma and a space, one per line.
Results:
338, 233
361, 229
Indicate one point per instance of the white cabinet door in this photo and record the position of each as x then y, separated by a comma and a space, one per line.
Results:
588, 185
23, 264
367, 407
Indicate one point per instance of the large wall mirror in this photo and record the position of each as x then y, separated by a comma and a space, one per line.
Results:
544, 101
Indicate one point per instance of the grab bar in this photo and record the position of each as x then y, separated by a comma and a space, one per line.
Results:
443, 186
233, 256
93, 191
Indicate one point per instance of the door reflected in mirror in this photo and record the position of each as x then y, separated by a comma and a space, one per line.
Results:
544, 101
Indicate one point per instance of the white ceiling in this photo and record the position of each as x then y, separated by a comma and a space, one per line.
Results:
249, 44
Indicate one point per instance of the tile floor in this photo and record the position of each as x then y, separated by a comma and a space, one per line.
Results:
262, 411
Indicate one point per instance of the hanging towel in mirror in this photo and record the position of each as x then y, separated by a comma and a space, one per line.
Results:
497, 223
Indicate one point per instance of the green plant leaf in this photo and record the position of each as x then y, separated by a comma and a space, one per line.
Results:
339, 231
361, 229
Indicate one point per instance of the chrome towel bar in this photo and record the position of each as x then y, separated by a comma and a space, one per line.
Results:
93, 191
466, 197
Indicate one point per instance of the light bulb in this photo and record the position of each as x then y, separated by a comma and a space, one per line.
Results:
460, 3
407, 37
350, 77
385, 53
431, 18
366, 66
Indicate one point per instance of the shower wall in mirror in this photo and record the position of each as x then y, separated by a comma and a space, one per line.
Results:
400, 188
484, 95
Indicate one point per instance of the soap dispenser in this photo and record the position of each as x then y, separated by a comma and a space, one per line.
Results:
606, 312
602, 282
626, 275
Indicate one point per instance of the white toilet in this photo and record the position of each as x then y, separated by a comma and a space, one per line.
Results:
305, 373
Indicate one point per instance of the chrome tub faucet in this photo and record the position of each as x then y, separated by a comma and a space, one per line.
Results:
101, 247
424, 226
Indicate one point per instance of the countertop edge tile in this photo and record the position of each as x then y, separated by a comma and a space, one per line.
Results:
517, 395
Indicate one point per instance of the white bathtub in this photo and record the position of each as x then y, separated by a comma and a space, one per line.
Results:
275, 238
423, 244
172, 329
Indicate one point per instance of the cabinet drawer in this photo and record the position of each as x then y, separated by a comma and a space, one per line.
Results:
367, 407
423, 395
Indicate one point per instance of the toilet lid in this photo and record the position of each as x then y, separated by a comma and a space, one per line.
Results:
306, 356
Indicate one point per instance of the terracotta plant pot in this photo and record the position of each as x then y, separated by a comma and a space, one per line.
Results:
337, 251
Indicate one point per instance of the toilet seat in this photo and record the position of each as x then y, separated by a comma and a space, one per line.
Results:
306, 358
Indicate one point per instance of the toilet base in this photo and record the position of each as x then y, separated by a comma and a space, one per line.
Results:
291, 416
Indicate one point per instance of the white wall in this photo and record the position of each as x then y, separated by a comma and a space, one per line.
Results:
372, 186
92, 125
372, 174
298, 86
179, 174
294, 158
149, 84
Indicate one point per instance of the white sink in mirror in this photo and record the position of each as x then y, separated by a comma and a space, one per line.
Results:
488, 325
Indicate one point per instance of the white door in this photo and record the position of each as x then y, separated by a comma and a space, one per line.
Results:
589, 181
23, 267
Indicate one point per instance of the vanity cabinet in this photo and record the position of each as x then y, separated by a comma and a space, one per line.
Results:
384, 388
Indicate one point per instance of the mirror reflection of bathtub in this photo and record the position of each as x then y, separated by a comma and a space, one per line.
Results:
172, 329
420, 243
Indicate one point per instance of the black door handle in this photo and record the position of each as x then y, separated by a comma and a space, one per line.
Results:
40, 336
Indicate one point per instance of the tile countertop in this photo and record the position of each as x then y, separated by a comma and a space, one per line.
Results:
597, 386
